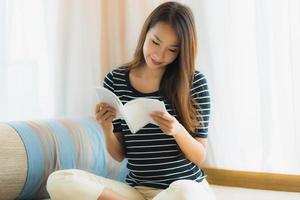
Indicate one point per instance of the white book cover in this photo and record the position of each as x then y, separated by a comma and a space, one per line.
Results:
136, 112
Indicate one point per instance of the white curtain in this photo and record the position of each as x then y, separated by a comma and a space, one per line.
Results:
250, 53
73, 35
24, 84
53, 54
49, 58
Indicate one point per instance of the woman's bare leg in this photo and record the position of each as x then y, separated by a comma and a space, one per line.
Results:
108, 194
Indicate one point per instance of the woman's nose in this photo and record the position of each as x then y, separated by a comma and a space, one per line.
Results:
159, 55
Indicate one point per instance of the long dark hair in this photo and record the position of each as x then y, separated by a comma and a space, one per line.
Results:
178, 76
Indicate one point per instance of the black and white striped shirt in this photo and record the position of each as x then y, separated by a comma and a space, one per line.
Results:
154, 158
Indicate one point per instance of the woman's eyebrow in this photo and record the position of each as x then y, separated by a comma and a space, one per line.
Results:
156, 37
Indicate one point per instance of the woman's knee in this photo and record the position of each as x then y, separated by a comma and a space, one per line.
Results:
186, 190
61, 177
182, 189
72, 184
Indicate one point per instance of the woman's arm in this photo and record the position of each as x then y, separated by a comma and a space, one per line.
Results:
193, 149
104, 115
114, 145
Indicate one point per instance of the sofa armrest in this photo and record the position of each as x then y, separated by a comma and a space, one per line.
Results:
31, 150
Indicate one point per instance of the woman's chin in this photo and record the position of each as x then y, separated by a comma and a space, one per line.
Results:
154, 66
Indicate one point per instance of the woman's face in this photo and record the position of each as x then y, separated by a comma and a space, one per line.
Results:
161, 46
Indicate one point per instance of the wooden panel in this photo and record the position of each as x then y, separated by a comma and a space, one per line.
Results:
256, 180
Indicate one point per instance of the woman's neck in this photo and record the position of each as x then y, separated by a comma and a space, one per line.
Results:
146, 73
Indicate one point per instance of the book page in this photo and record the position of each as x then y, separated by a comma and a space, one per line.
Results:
106, 96
137, 112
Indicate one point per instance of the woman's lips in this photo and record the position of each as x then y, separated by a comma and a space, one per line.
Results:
155, 62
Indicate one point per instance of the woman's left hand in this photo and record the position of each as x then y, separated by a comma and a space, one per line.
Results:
168, 124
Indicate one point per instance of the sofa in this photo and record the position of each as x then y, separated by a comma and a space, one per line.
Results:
31, 150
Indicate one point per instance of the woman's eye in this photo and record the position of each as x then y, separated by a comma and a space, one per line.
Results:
156, 43
173, 50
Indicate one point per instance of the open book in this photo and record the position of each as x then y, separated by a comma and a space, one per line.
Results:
136, 112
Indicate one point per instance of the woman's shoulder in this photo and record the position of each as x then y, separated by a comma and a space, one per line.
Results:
199, 77
119, 71
122, 68
116, 76
199, 84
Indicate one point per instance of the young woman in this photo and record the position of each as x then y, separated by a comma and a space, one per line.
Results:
164, 160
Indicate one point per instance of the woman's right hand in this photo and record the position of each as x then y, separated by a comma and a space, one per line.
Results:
104, 115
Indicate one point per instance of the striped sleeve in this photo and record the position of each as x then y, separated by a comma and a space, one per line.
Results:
108, 83
201, 95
